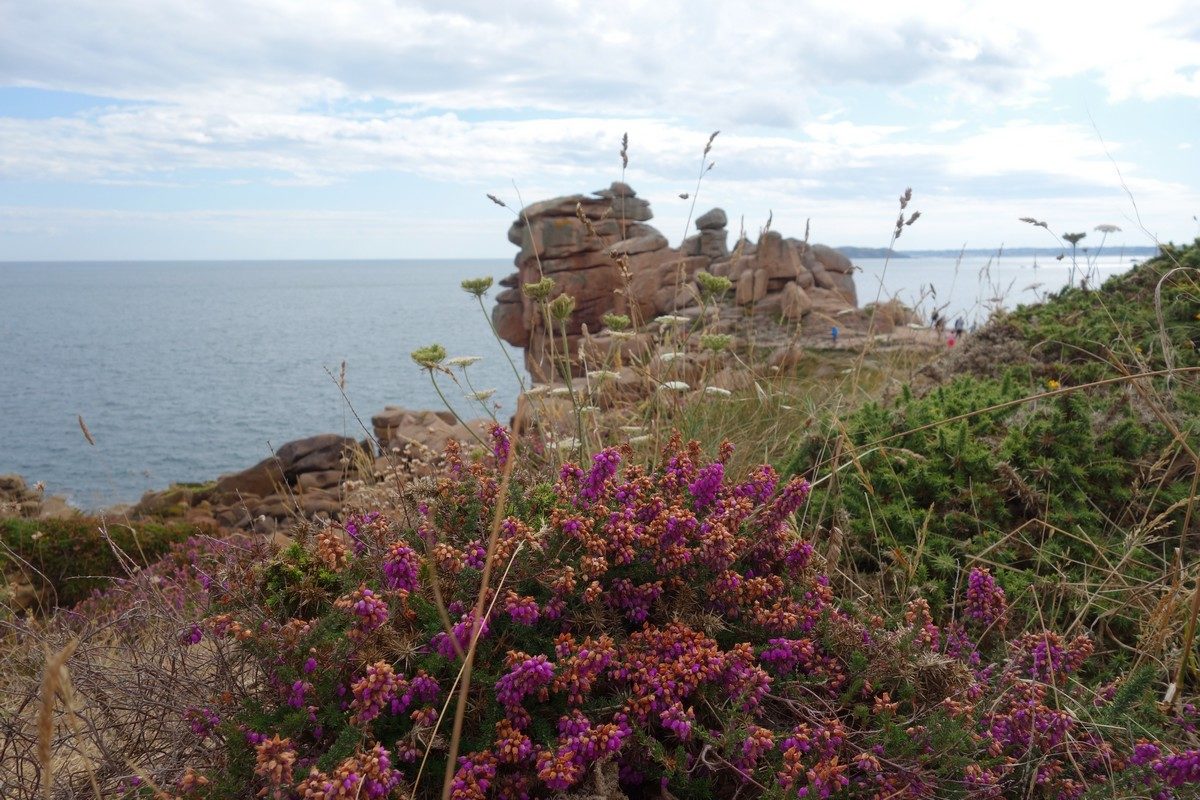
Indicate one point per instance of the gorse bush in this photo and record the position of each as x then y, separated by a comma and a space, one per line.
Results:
1061, 473
663, 633
71, 558
1077, 500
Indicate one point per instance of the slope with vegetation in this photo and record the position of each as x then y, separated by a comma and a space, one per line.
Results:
972, 577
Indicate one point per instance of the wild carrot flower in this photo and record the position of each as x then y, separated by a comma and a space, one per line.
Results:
430, 356
615, 322
477, 286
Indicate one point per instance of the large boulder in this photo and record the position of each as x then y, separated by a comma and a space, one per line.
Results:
320, 453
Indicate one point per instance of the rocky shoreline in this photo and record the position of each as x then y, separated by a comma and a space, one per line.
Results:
785, 295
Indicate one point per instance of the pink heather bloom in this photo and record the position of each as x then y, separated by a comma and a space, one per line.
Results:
678, 720
376, 689
528, 675
369, 609
501, 444
986, 604
604, 467
707, 485
522, 610
402, 567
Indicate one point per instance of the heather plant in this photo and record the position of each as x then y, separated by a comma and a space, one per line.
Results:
122, 686
667, 630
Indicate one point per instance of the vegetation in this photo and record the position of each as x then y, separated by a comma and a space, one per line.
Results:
970, 577
69, 559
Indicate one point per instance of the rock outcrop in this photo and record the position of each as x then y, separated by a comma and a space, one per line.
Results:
600, 250
19, 499
313, 478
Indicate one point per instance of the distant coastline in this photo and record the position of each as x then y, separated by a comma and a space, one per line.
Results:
851, 251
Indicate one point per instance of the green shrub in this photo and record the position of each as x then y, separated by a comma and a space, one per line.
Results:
70, 558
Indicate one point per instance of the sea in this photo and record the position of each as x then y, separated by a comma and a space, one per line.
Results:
183, 371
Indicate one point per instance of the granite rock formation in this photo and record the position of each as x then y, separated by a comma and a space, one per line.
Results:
600, 250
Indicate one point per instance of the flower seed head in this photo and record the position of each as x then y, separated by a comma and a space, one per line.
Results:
430, 356
615, 322
562, 307
539, 291
477, 286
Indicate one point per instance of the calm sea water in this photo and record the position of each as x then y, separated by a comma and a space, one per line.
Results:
184, 371
972, 287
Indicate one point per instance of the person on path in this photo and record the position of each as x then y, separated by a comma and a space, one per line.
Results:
959, 327
833, 334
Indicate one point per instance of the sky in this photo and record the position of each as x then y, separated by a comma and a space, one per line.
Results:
231, 129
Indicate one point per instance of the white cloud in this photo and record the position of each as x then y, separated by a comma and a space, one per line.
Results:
580, 58
475, 93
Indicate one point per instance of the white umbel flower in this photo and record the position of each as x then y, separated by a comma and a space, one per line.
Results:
675, 386
672, 319
463, 361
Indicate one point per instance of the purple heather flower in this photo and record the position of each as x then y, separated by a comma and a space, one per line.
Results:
201, 721
1179, 768
604, 467
462, 634
192, 635
522, 610
298, 691
401, 567
678, 720
528, 674
501, 444
707, 485
476, 554
986, 604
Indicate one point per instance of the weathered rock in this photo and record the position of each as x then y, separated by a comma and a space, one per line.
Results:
711, 220
509, 318
744, 294
315, 454
831, 259
320, 480
617, 189
712, 244
640, 244
827, 302
794, 302
319, 502
629, 268
843, 284
760, 284
263, 479
786, 356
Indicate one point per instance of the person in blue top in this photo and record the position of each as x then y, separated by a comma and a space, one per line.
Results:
833, 333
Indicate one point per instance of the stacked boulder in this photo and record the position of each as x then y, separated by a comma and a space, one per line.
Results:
585, 244
600, 250
789, 277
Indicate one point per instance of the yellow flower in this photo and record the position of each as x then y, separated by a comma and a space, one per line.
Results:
1053, 384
